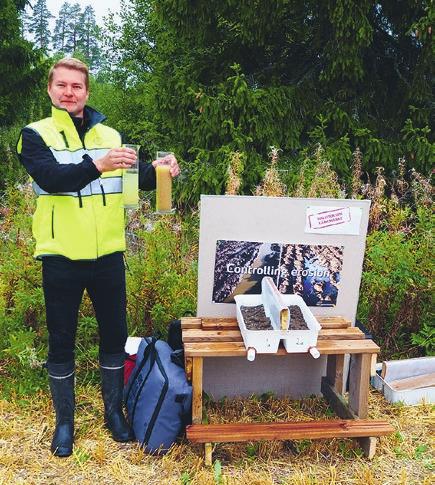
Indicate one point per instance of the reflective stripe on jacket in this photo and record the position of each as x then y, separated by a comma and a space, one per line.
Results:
89, 223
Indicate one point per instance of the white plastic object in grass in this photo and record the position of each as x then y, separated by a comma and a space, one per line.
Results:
404, 369
267, 341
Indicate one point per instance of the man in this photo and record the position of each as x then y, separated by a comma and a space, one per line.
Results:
76, 165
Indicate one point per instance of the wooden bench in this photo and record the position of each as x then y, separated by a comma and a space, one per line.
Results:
220, 337
313, 430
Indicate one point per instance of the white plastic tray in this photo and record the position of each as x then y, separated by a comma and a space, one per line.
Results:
409, 397
267, 341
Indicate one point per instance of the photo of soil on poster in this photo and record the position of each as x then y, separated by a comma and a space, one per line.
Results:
311, 271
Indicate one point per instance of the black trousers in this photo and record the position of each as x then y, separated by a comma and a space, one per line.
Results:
64, 282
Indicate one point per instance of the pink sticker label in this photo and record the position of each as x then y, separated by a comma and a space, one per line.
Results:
329, 218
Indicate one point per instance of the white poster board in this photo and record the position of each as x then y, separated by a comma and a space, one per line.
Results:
243, 238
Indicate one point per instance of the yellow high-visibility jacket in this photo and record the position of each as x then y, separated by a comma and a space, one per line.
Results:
88, 223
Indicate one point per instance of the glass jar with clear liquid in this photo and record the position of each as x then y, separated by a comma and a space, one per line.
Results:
130, 181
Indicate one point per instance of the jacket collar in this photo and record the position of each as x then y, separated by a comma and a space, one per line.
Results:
63, 121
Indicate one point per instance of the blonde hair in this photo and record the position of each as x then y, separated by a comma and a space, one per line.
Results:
70, 63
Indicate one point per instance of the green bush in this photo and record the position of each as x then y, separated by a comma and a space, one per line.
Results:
396, 300
161, 273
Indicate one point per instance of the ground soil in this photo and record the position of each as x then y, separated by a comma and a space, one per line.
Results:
297, 320
255, 318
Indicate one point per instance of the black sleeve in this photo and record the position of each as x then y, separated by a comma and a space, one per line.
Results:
47, 172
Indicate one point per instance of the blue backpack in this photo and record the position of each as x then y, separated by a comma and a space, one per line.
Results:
158, 396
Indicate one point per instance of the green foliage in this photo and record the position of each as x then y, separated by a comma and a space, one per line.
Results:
217, 472
425, 338
77, 33
19, 64
161, 275
12, 171
315, 176
210, 78
185, 478
22, 329
396, 298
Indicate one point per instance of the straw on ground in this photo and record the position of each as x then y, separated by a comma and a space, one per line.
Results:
406, 457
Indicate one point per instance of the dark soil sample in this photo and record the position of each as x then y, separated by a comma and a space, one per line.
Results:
297, 320
255, 318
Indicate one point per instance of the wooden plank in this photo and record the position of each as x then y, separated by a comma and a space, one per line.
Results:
215, 349
188, 366
197, 368
373, 364
208, 454
226, 335
335, 371
237, 349
359, 376
229, 334
333, 322
415, 382
228, 323
336, 401
190, 322
366, 346
194, 335
351, 333
237, 432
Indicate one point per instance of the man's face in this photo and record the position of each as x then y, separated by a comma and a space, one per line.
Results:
68, 90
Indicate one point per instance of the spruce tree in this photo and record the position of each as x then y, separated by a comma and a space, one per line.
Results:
73, 29
19, 64
60, 34
88, 38
38, 25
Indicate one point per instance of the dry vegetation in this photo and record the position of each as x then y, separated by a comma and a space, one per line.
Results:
271, 184
402, 458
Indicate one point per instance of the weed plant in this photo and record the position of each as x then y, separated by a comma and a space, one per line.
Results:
272, 185
162, 269
396, 297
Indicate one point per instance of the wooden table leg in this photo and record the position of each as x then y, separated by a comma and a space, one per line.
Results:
334, 372
208, 452
368, 445
359, 377
197, 390
197, 367
188, 368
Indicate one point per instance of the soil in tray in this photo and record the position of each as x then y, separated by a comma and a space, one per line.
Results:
255, 318
297, 320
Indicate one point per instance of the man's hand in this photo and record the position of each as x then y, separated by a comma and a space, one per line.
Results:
171, 161
116, 158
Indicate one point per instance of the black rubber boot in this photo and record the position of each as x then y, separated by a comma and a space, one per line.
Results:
112, 386
61, 379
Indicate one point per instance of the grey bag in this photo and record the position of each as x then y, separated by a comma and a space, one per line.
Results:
158, 397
